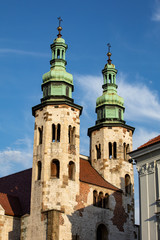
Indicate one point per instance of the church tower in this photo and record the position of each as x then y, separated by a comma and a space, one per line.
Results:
111, 138
55, 172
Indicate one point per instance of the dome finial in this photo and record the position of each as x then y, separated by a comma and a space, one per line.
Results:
59, 28
109, 54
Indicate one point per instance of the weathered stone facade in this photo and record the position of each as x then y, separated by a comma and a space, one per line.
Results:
74, 197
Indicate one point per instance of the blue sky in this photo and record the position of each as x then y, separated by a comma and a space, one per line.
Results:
27, 28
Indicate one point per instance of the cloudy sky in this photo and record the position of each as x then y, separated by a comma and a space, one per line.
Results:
27, 28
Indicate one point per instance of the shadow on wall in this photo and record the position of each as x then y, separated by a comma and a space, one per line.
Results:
16, 229
94, 221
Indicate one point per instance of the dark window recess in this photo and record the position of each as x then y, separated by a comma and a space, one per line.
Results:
71, 170
40, 134
58, 132
115, 150
106, 201
98, 149
55, 166
53, 132
110, 150
67, 91
39, 170
102, 233
120, 114
127, 184
100, 200
95, 197
58, 53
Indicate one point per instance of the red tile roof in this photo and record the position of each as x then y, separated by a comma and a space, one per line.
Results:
89, 175
150, 142
15, 189
10, 204
18, 185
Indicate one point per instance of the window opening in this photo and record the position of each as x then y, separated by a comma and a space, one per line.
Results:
110, 78
53, 133
58, 132
110, 150
40, 134
120, 114
127, 184
71, 170
67, 91
95, 196
39, 170
115, 150
106, 201
100, 200
58, 53
55, 166
102, 233
98, 149
69, 134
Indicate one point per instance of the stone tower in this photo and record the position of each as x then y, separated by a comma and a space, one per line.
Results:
55, 172
111, 138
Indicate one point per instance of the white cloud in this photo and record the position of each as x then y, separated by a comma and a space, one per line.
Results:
142, 136
156, 13
22, 52
140, 102
16, 158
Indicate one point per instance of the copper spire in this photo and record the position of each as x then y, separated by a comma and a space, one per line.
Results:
59, 28
109, 54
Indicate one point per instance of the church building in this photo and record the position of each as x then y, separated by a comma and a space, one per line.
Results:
68, 196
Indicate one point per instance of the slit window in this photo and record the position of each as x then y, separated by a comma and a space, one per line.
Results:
58, 132
98, 150
110, 150
40, 134
67, 91
71, 170
127, 184
58, 53
115, 150
39, 170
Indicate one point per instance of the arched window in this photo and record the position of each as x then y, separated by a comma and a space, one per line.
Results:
55, 167
71, 135
115, 150
95, 196
127, 184
58, 132
67, 91
110, 78
71, 170
106, 201
100, 200
39, 164
40, 130
102, 233
110, 150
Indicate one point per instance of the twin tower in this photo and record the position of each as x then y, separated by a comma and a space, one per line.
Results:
56, 154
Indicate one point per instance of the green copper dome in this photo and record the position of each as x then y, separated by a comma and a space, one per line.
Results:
57, 83
109, 106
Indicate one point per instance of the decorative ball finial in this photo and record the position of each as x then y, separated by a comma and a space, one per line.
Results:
109, 54
59, 28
